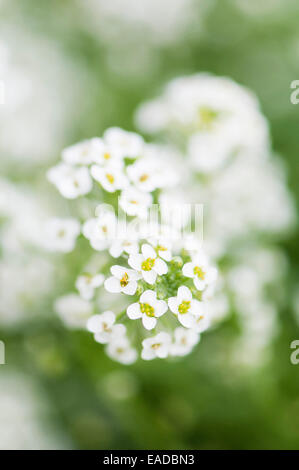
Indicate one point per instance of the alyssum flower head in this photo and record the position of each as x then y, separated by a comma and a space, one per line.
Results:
156, 285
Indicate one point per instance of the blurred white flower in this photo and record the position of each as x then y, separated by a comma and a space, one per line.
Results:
135, 202
120, 350
184, 341
71, 182
100, 231
144, 175
111, 178
104, 154
156, 346
87, 283
221, 117
82, 153
25, 282
25, 416
73, 310
104, 328
149, 308
61, 234
126, 243
129, 143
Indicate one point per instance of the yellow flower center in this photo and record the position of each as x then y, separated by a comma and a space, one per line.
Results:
110, 178
199, 273
143, 178
184, 307
206, 116
106, 156
161, 248
106, 327
61, 233
88, 279
148, 264
124, 280
156, 346
147, 309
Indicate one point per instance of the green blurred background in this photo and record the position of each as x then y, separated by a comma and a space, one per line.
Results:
203, 401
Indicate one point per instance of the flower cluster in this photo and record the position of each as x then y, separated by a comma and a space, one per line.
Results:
219, 128
161, 282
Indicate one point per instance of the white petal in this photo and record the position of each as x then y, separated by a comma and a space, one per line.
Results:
148, 297
94, 323
187, 320
148, 354
116, 250
160, 308
135, 261
199, 283
184, 294
133, 311
188, 270
130, 288
160, 267
117, 271
149, 276
197, 308
102, 337
112, 285
173, 304
162, 352
129, 356
133, 275
108, 317
98, 280
118, 330
148, 251
165, 255
148, 322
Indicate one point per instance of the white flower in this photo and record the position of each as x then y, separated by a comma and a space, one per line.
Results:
202, 273
73, 310
186, 308
122, 280
104, 328
70, 181
184, 341
148, 308
157, 346
81, 153
86, 284
129, 143
162, 247
148, 264
120, 350
104, 154
134, 202
144, 175
127, 241
203, 321
100, 231
208, 152
61, 234
110, 177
